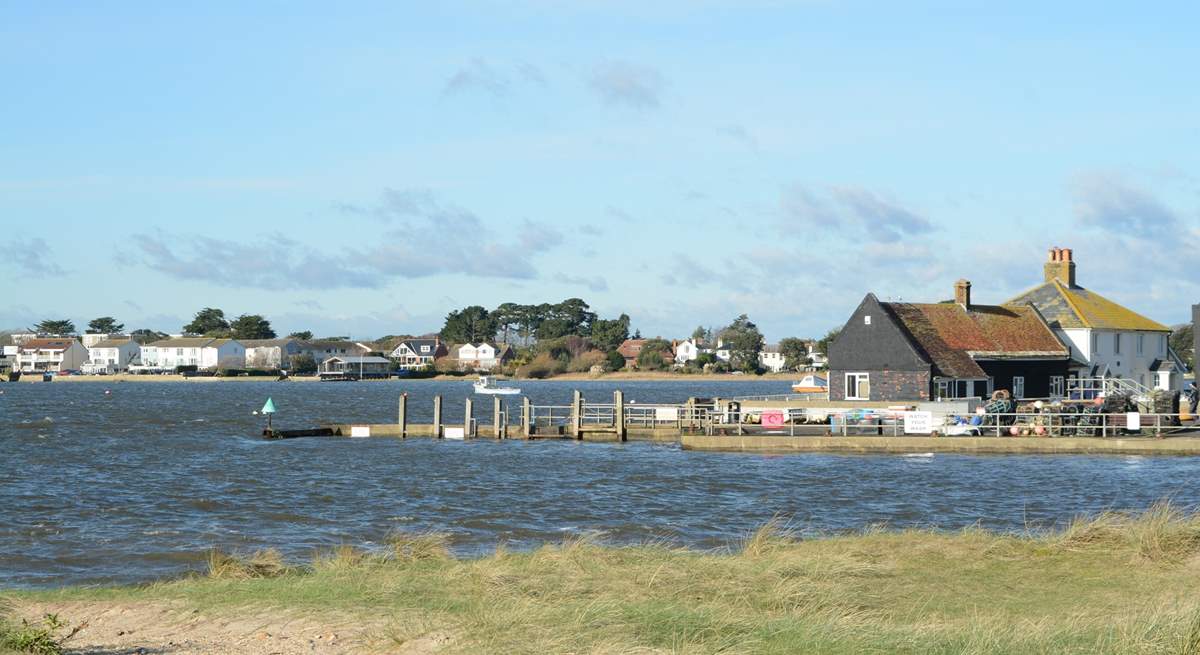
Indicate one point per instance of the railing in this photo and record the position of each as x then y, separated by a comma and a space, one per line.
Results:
652, 416
785, 397
1089, 388
546, 416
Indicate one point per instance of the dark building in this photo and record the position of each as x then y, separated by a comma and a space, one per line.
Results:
1195, 338
891, 351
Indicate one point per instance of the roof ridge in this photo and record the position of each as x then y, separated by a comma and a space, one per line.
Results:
1062, 290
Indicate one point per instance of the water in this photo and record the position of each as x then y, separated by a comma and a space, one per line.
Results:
137, 485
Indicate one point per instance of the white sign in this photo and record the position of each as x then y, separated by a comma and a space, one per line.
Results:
457, 434
1133, 421
918, 422
360, 430
666, 413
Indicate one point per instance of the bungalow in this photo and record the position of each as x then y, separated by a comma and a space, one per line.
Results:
418, 353
1105, 339
112, 355
201, 352
891, 351
355, 367
483, 356
50, 354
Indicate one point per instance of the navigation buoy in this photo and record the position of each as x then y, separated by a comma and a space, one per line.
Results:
108, 392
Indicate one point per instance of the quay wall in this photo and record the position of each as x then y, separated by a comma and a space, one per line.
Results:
1188, 445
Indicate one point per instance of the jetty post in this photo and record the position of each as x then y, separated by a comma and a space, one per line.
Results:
497, 425
467, 416
526, 416
402, 415
577, 414
619, 413
437, 417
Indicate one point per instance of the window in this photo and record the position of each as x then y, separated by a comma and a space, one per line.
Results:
424, 349
1018, 386
858, 386
1116, 343
1056, 386
1095, 343
867, 319
1140, 339
943, 389
179, 352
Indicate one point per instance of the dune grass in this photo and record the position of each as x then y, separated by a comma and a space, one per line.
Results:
1113, 583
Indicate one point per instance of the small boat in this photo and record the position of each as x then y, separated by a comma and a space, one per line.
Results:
487, 384
811, 384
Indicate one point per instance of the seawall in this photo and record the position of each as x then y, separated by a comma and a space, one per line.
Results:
1182, 445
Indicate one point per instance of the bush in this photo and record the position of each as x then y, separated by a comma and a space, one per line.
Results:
542, 366
585, 362
186, 368
616, 361
304, 364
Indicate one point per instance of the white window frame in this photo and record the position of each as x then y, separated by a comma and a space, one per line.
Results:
1018, 380
1057, 386
856, 377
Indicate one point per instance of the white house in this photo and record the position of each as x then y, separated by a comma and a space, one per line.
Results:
50, 354
1106, 339
688, 350
483, 356
201, 352
90, 339
418, 353
8, 357
771, 359
112, 356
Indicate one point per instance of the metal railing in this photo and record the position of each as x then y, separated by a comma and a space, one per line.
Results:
1089, 388
785, 397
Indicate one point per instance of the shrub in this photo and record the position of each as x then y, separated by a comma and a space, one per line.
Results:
186, 368
304, 364
616, 361
584, 363
542, 366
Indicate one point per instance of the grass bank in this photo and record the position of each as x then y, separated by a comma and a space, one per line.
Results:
1110, 584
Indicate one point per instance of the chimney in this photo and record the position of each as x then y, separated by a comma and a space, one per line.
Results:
1060, 266
962, 293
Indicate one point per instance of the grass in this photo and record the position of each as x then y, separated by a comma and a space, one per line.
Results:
1114, 583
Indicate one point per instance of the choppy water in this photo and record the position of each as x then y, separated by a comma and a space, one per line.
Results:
138, 484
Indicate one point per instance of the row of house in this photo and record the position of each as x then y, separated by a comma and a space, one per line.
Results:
1044, 343
683, 351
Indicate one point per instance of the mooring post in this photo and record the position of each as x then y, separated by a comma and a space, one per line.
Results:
467, 416
526, 415
619, 408
402, 418
496, 418
577, 414
437, 417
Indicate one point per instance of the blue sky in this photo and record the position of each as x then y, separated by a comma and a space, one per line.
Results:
365, 172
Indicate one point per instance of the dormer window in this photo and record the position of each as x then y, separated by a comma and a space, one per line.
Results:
424, 349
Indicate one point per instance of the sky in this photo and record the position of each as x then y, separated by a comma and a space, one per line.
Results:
363, 172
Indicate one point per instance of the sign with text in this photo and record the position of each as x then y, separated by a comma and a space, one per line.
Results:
360, 430
918, 422
1133, 421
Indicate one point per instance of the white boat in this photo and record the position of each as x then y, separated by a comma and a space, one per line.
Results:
487, 384
811, 384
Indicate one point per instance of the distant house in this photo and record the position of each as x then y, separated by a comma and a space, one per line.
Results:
50, 354
1106, 340
112, 355
890, 351
483, 356
688, 350
355, 367
271, 354
205, 353
8, 357
418, 353
630, 349
771, 358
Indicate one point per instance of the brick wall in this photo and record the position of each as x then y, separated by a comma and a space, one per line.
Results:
885, 385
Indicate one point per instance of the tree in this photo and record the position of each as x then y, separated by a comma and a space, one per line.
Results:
208, 322
62, 327
303, 335
830, 337
104, 325
608, 334
251, 326
795, 353
303, 364
702, 334
654, 355
744, 342
469, 325
1181, 342
508, 317
144, 336
616, 361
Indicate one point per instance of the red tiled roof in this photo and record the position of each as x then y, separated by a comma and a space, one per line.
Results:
954, 337
47, 344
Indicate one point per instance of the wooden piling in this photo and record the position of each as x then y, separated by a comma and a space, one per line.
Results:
577, 414
526, 415
467, 416
619, 414
497, 427
437, 417
402, 418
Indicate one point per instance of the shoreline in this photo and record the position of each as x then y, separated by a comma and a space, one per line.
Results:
566, 377
871, 590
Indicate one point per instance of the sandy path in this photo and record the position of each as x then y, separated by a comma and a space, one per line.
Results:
153, 628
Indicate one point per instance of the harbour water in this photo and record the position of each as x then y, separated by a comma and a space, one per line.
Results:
139, 483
